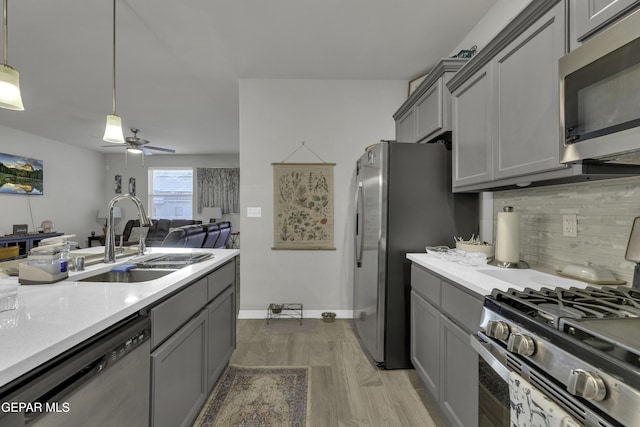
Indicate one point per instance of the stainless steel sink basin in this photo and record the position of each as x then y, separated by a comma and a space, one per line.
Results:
150, 269
131, 276
174, 260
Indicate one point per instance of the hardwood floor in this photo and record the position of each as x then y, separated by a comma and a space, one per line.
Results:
346, 389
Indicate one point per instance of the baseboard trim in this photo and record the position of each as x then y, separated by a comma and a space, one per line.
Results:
307, 314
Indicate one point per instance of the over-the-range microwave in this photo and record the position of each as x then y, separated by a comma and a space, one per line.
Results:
600, 97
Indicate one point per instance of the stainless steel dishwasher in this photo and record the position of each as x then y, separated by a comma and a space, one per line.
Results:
102, 382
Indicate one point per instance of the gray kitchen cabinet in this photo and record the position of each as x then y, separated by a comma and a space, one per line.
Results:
221, 334
443, 315
460, 382
425, 331
178, 370
525, 96
426, 114
472, 117
193, 335
169, 315
406, 127
589, 17
505, 105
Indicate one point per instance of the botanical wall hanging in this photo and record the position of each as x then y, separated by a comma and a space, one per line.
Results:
218, 187
303, 206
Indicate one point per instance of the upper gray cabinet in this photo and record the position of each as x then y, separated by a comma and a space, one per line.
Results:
471, 102
505, 104
589, 16
426, 114
526, 137
406, 127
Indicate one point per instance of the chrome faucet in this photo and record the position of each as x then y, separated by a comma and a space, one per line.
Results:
109, 244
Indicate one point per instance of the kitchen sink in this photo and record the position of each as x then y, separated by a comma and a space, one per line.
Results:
174, 260
131, 276
150, 269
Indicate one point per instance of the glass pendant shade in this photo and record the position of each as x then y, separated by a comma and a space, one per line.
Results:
10, 97
134, 150
113, 131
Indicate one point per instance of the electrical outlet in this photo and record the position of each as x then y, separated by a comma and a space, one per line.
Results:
570, 225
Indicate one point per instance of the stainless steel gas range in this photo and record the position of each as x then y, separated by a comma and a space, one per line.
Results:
580, 347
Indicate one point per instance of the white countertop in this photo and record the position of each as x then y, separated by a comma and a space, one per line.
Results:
483, 279
53, 318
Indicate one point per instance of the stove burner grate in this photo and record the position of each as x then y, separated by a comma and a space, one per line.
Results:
550, 305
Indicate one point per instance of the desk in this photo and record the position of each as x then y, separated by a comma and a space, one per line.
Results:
26, 242
92, 239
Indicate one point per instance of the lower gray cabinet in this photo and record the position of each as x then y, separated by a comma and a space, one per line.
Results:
425, 331
459, 385
178, 371
221, 334
442, 317
195, 335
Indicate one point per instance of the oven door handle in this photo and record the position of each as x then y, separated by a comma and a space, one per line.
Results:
492, 357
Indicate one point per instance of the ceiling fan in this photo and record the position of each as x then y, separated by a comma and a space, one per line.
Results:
134, 144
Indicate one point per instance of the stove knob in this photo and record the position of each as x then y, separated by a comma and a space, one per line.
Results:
521, 344
497, 329
587, 385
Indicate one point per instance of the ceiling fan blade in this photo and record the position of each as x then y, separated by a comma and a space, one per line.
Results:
146, 152
136, 141
114, 146
167, 150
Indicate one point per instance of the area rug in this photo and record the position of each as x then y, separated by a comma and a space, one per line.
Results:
258, 397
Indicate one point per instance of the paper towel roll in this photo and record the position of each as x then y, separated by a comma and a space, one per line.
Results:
508, 237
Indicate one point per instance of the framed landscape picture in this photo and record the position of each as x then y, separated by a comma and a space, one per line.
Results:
20, 175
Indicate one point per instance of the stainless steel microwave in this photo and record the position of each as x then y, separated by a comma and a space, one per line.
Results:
600, 97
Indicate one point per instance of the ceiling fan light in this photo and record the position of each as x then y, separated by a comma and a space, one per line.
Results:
10, 97
134, 150
113, 131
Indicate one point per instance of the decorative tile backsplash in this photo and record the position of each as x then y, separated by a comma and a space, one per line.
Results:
605, 211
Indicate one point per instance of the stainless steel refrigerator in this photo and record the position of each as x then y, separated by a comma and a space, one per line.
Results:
404, 203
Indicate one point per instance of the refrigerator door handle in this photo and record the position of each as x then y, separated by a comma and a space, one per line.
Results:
359, 226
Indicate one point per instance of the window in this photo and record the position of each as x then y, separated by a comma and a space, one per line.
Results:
171, 193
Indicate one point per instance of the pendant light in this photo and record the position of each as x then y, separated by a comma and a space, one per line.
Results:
10, 97
113, 131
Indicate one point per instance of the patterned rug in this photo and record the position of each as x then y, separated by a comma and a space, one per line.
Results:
258, 397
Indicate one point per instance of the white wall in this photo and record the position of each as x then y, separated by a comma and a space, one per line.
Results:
73, 186
491, 23
115, 165
337, 120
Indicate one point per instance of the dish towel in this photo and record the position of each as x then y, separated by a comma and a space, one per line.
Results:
531, 408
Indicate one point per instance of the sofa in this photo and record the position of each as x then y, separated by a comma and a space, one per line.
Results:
156, 233
212, 235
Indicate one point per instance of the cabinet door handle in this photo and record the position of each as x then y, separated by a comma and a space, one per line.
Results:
359, 226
